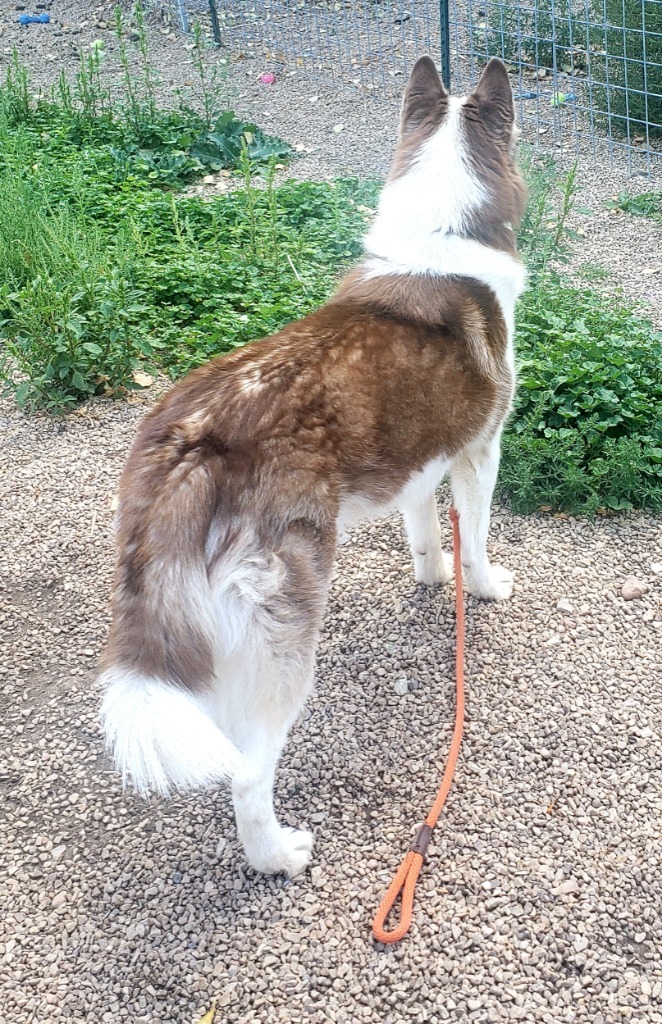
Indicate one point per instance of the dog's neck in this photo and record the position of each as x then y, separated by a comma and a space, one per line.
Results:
438, 255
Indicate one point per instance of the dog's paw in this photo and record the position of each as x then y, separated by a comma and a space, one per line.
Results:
434, 569
290, 856
298, 850
495, 585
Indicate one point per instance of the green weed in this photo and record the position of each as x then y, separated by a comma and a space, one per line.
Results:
586, 431
167, 147
593, 272
544, 234
647, 204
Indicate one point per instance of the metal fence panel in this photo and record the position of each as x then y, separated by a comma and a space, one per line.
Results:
587, 74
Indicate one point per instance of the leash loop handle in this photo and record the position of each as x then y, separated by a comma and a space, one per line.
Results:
404, 882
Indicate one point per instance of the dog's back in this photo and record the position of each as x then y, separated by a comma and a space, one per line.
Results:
241, 479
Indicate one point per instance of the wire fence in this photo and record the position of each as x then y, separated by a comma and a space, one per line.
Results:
587, 74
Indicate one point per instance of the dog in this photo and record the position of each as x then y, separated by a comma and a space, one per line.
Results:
243, 477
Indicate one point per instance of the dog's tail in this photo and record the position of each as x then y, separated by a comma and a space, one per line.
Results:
166, 644
163, 737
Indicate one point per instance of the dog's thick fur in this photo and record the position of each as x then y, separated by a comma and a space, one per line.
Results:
244, 476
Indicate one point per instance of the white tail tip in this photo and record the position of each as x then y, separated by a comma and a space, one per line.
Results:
162, 737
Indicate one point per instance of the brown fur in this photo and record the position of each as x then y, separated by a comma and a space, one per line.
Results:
424, 107
355, 397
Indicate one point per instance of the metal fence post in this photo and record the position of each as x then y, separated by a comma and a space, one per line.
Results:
215, 27
183, 18
444, 31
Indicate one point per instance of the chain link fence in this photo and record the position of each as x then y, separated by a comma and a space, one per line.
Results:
587, 74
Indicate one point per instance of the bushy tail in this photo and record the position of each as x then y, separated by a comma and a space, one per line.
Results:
160, 679
162, 737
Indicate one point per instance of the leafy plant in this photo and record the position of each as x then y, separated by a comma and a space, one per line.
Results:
586, 431
544, 233
647, 204
167, 147
70, 315
536, 35
220, 147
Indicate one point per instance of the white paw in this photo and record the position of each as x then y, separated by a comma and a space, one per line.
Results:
291, 855
495, 585
433, 569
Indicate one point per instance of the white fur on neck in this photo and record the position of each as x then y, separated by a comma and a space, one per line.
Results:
452, 256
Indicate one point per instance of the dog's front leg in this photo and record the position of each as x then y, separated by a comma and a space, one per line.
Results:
473, 476
421, 518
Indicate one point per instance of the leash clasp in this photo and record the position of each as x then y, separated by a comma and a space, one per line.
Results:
422, 841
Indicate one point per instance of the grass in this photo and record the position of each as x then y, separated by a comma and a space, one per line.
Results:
101, 280
106, 268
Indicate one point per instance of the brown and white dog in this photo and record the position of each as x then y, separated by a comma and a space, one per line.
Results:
243, 477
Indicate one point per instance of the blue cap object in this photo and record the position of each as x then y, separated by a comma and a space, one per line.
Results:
34, 19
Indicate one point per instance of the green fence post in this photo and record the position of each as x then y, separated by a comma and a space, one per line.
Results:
215, 27
444, 29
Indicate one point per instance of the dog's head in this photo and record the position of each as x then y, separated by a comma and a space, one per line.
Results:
459, 154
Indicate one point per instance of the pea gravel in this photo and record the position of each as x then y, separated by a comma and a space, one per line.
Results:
542, 898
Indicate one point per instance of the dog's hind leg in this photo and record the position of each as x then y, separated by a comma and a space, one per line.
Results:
431, 565
473, 476
270, 847
264, 683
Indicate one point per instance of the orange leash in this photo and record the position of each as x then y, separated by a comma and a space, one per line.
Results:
408, 872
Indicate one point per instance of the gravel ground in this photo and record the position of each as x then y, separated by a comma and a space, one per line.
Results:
542, 898
541, 901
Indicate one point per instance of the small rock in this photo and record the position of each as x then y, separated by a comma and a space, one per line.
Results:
569, 885
656, 567
59, 900
209, 179
580, 943
632, 589
401, 687
564, 605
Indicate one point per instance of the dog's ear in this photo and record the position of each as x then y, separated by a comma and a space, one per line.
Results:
424, 96
494, 97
